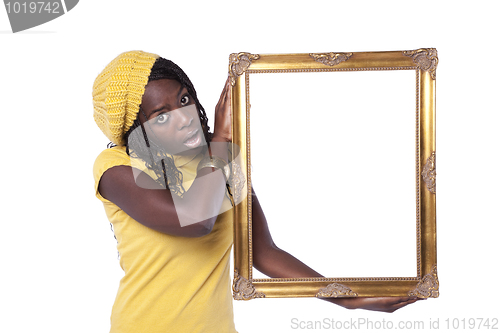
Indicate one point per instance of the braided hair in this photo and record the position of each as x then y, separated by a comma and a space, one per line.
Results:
139, 146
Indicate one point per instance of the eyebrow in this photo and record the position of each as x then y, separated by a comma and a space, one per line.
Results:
179, 93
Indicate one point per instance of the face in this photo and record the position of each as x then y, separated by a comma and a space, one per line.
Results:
172, 118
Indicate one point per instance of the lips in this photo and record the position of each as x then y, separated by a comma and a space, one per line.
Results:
193, 139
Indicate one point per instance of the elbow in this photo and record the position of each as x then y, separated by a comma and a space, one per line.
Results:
263, 258
258, 265
264, 266
203, 228
197, 224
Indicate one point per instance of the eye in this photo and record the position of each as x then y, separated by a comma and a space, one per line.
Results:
162, 118
185, 100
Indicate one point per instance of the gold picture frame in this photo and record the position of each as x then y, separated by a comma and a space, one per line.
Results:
423, 63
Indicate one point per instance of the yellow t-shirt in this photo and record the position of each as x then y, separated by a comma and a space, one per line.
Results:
171, 283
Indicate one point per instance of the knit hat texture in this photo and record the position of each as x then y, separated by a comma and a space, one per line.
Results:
117, 93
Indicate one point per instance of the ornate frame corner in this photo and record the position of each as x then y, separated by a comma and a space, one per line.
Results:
428, 286
239, 63
243, 289
336, 290
425, 59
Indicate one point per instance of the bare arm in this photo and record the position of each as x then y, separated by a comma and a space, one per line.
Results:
276, 263
155, 208
268, 258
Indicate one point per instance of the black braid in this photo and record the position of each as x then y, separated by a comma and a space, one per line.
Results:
164, 168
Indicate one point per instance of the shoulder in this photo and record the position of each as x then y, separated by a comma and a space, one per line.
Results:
107, 159
111, 157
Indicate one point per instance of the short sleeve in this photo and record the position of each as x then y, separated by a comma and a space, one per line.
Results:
106, 160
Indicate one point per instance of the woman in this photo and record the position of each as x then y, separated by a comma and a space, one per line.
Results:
175, 245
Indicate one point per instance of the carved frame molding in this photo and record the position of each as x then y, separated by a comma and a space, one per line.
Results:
428, 286
425, 59
429, 173
330, 59
336, 290
425, 283
239, 63
243, 289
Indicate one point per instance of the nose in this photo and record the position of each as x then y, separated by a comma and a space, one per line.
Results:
183, 118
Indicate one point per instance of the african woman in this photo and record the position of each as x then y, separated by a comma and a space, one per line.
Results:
164, 188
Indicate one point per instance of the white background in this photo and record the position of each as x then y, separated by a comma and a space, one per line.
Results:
59, 266
333, 166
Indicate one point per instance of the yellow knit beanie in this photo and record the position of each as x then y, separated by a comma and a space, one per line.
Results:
117, 93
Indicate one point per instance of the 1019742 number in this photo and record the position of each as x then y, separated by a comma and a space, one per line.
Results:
32, 7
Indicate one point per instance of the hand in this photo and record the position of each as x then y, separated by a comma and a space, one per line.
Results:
222, 123
383, 304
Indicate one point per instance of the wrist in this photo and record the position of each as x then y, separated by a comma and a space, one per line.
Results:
215, 162
220, 138
218, 148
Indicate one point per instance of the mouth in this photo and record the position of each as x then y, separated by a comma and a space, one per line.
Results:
193, 139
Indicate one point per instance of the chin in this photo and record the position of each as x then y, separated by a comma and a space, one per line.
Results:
192, 151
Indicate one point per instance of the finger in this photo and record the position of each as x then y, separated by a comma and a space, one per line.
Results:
221, 98
398, 306
223, 94
397, 300
228, 88
227, 94
410, 300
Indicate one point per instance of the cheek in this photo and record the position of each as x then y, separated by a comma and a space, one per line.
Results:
193, 112
198, 121
164, 135
168, 138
